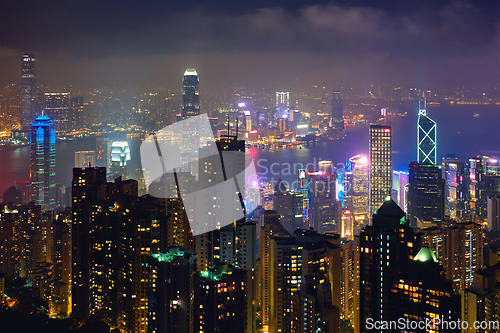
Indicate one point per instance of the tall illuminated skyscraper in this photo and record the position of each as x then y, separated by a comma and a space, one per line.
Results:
425, 194
28, 91
337, 111
385, 251
120, 159
360, 188
190, 103
426, 136
190, 107
43, 162
380, 165
282, 104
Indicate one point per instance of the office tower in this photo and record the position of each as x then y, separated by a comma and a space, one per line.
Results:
494, 213
120, 159
358, 189
285, 204
325, 210
483, 183
385, 249
380, 165
28, 91
337, 114
78, 116
84, 159
57, 107
103, 153
170, 305
399, 187
190, 102
420, 293
282, 104
270, 226
220, 299
190, 107
425, 194
43, 162
455, 188
426, 136
480, 301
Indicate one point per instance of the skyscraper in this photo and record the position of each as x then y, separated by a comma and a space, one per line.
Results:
426, 136
380, 165
385, 250
282, 104
359, 188
43, 162
190, 103
28, 91
337, 111
425, 194
190, 107
120, 159
57, 108
455, 188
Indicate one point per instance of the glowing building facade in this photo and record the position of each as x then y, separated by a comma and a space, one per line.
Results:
43, 162
380, 165
120, 157
282, 104
426, 136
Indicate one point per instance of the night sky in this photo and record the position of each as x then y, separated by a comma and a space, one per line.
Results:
275, 44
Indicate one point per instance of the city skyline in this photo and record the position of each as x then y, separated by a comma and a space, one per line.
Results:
250, 167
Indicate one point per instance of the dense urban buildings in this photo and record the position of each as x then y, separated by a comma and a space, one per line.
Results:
295, 252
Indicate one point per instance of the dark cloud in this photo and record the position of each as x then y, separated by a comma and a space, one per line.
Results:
94, 43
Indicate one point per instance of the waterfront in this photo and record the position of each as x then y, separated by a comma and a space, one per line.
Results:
459, 132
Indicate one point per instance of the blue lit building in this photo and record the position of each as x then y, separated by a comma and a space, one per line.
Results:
43, 162
426, 136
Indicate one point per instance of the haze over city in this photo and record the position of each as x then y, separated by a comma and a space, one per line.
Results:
276, 44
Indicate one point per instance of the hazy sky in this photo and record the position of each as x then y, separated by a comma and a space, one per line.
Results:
278, 44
